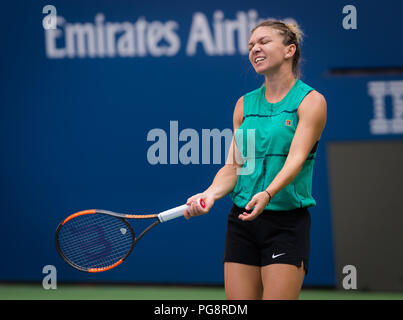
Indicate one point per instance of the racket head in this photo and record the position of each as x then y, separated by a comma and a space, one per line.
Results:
93, 241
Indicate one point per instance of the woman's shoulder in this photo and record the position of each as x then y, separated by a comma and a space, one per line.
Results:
309, 95
313, 104
315, 96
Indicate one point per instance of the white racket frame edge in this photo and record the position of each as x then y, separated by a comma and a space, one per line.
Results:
177, 211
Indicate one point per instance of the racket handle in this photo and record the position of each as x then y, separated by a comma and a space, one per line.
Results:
177, 212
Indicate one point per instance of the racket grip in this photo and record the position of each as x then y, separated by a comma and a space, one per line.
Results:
177, 212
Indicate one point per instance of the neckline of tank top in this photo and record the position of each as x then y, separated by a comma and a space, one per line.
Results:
273, 104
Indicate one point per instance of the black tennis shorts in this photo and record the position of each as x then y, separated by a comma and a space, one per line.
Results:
273, 237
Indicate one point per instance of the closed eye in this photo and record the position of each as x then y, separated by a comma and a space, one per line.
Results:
260, 41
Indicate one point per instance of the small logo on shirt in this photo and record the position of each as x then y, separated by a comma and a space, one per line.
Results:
288, 123
274, 256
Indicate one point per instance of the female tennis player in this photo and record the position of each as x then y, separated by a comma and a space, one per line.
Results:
267, 242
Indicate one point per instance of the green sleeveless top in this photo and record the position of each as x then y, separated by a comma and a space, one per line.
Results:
274, 127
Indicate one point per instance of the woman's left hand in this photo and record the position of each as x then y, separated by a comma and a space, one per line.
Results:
258, 203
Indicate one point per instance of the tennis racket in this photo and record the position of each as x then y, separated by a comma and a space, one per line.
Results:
99, 240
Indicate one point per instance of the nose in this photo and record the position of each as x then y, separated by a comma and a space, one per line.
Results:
255, 49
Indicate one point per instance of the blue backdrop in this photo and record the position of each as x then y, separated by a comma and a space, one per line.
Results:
78, 103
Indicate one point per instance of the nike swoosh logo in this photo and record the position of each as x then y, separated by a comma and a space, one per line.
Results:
274, 256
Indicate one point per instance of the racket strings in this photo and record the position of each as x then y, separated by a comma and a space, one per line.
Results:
95, 240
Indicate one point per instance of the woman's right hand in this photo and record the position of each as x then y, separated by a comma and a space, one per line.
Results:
195, 209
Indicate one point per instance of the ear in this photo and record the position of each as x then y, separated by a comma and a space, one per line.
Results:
289, 51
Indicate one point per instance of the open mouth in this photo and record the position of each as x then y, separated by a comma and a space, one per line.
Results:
259, 59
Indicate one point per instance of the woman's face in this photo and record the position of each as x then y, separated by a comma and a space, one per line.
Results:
266, 49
